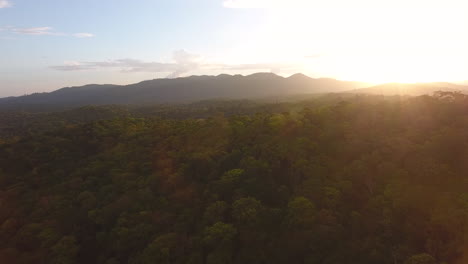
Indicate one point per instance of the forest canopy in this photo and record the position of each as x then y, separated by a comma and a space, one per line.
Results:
331, 180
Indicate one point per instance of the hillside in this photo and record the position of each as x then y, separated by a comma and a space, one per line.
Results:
178, 90
196, 88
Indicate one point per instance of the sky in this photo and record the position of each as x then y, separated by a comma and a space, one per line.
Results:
49, 44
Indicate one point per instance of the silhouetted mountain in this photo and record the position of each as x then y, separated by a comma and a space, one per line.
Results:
182, 90
412, 89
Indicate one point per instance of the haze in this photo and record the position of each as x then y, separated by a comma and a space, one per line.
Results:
49, 44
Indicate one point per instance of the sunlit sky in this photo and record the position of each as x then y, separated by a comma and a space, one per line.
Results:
49, 44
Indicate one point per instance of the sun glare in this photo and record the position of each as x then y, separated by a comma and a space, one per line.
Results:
398, 44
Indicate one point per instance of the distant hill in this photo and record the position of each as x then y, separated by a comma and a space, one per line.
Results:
413, 89
197, 88
186, 89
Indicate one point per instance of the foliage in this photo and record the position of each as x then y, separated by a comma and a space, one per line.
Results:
354, 180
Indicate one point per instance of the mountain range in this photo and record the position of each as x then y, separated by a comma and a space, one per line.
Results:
195, 88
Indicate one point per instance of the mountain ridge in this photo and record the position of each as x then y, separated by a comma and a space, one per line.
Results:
184, 89
207, 87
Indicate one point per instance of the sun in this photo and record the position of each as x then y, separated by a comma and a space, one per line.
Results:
397, 44
405, 68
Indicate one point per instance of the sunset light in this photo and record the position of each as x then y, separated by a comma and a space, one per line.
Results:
378, 41
234, 132
360, 40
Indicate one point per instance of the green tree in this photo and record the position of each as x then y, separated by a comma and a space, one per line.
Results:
301, 213
216, 212
421, 259
219, 239
65, 251
246, 211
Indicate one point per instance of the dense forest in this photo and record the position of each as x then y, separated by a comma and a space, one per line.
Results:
331, 180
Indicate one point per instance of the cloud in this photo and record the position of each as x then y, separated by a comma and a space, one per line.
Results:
132, 65
124, 65
38, 31
182, 63
5, 3
43, 31
185, 62
83, 35
73, 66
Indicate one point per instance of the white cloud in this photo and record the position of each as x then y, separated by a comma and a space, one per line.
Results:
38, 31
43, 31
5, 3
83, 35
182, 63
73, 66
185, 62
124, 65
